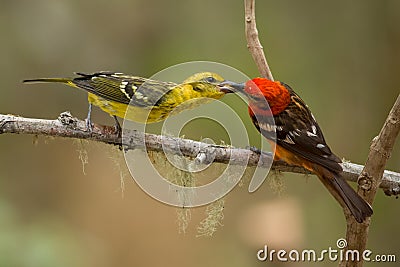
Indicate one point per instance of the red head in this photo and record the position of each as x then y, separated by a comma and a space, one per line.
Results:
259, 90
276, 94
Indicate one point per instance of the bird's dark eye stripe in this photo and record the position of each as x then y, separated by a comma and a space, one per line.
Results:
210, 79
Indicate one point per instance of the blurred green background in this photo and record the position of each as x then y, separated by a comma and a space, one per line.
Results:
342, 57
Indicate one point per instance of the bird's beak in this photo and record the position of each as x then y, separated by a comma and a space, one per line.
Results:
231, 87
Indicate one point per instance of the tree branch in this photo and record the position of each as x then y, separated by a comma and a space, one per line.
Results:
71, 127
253, 43
371, 178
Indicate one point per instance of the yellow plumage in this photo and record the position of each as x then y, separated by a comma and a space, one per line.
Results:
149, 100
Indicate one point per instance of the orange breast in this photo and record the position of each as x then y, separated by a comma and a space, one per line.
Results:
292, 159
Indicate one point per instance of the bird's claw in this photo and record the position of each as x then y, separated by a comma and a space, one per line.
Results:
117, 127
89, 125
254, 149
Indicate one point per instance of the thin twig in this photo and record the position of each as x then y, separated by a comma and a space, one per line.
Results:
253, 43
371, 178
71, 127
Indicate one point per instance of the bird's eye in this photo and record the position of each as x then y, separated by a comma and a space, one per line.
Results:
210, 79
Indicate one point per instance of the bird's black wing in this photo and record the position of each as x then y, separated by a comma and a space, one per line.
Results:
124, 89
298, 132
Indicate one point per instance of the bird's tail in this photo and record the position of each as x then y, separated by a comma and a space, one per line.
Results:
67, 81
344, 193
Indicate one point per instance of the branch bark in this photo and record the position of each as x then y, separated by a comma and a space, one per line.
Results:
71, 127
253, 43
370, 179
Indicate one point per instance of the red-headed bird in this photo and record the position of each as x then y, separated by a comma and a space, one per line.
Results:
299, 140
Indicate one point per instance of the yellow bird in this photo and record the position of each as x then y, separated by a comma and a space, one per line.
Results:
149, 100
